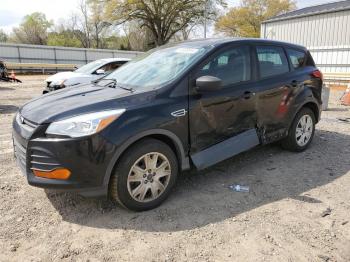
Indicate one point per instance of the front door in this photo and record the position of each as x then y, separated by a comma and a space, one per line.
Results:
215, 116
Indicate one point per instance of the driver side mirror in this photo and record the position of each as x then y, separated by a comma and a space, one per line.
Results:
100, 72
208, 83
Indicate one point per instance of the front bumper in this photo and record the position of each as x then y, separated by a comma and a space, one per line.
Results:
86, 158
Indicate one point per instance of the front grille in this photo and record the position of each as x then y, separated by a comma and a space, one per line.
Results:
22, 132
48, 84
42, 160
20, 154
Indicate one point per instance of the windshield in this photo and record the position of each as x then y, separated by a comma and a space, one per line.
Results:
88, 68
157, 66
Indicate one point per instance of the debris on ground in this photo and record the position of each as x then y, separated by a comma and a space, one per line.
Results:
324, 258
345, 120
5, 77
239, 188
327, 212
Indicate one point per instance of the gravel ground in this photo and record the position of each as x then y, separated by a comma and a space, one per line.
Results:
298, 207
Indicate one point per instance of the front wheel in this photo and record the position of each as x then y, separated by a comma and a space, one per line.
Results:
301, 132
144, 176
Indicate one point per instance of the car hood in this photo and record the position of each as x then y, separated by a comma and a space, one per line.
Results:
71, 101
63, 75
71, 78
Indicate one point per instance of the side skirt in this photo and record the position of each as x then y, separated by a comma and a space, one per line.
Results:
226, 149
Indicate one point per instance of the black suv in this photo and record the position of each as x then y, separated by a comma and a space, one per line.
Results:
190, 104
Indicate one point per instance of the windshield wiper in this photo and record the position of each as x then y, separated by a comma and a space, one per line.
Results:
125, 88
113, 83
111, 80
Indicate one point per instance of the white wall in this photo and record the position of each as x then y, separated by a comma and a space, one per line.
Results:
327, 36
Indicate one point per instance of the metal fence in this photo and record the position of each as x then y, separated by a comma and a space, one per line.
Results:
20, 53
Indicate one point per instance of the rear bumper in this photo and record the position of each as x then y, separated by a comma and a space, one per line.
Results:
86, 158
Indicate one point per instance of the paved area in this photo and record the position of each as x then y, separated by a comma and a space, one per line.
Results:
298, 207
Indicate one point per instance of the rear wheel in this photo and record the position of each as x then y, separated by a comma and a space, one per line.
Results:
144, 175
301, 132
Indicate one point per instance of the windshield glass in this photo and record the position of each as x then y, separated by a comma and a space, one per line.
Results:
157, 67
88, 68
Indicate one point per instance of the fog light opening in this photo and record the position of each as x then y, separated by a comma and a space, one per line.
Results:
61, 173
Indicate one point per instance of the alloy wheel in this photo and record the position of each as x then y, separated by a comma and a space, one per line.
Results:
149, 177
304, 130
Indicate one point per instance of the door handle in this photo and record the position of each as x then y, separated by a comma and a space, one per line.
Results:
248, 94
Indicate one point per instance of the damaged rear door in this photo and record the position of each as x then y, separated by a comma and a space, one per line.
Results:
222, 122
276, 89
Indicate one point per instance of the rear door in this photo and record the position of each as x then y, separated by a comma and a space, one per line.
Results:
276, 85
215, 116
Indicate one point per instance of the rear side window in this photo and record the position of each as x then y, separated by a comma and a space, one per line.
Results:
297, 58
272, 61
309, 60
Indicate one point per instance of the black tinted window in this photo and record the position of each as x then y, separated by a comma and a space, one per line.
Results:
297, 58
231, 66
309, 60
272, 61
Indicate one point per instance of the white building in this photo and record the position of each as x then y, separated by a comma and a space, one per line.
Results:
323, 29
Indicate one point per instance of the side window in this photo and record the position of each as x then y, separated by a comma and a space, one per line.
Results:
110, 67
272, 61
297, 58
309, 60
231, 66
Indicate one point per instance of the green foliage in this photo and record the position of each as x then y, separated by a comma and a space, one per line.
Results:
33, 29
117, 42
63, 38
245, 20
96, 24
3, 36
162, 18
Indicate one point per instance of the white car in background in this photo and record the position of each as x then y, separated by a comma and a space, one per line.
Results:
85, 74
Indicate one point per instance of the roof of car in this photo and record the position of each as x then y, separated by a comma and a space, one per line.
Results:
115, 59
313, 10
221, 41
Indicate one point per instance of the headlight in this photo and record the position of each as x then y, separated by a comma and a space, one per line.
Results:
59, 83
62, 83
84, 125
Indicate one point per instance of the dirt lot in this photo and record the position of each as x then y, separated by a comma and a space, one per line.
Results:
298, 207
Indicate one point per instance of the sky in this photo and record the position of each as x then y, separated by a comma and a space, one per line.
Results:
12, 11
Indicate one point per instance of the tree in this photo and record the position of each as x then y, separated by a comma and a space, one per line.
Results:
245, 20
136, 36
98, 26
33, 29
88, 24
3, 36
162, 18
63, 36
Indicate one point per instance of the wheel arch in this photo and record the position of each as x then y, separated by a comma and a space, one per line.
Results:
163, 135
312, 105
314, 108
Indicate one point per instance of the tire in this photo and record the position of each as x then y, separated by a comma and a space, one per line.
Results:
133, 185
291, 142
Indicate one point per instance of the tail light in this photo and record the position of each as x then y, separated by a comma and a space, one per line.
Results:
317, 74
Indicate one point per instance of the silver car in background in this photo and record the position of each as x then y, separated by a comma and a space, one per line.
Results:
84, 74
